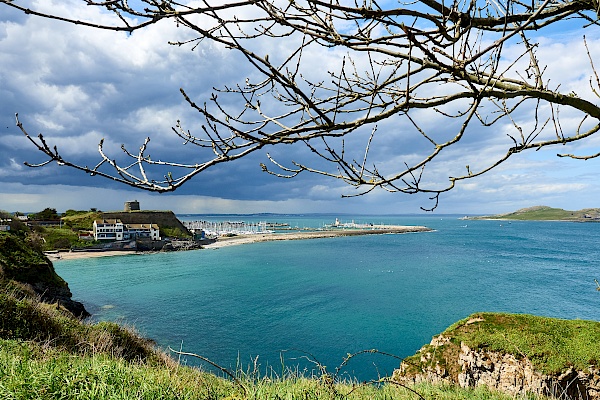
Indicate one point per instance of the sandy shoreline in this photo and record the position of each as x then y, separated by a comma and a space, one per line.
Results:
77, 255
254, 238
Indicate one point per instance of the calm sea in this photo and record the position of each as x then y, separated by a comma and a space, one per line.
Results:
286, 302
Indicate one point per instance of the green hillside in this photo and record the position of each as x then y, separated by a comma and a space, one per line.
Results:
81, 220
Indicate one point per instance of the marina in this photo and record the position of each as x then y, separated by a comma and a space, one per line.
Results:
220, 229
227, 228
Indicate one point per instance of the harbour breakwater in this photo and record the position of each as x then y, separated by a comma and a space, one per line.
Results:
113, 249
317, 234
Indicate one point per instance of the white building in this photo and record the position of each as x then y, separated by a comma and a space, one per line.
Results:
135, 231
5, 225
108, 229
114, 229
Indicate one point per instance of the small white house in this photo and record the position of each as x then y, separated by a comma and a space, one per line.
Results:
86, 235
108, 229
5, 225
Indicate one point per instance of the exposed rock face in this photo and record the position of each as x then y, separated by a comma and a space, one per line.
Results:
503, 372
61, 295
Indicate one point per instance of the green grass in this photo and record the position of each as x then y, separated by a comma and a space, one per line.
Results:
27, 319
552, 345
15, 253
173, 233
32, 371
540, 213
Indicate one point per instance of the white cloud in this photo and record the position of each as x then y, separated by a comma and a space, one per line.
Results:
14, 165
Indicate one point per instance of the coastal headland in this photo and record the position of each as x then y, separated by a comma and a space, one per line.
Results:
545, 213
225, 241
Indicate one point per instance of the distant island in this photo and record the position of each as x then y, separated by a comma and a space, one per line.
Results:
545, 213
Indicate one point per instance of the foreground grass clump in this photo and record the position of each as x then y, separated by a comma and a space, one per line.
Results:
552, 345
25, 318
36, 371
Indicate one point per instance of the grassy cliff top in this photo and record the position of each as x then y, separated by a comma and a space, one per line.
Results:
552, 345
545, 213
19, 261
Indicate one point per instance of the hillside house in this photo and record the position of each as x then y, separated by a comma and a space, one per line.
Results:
137, 231
108, 229
115, 230
85, 235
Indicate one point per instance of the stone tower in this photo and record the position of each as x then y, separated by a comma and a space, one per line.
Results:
132, 205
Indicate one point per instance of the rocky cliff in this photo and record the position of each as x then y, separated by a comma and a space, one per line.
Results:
450, 358
20, 262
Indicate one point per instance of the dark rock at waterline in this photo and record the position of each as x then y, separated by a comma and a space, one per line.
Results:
62, 296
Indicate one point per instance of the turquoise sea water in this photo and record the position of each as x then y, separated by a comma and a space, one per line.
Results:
330, 297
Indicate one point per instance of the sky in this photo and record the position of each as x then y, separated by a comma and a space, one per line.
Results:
78, 85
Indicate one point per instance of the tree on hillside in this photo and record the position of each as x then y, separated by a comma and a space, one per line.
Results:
47, 214
431, 72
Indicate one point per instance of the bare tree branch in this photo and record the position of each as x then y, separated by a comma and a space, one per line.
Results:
397, 60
